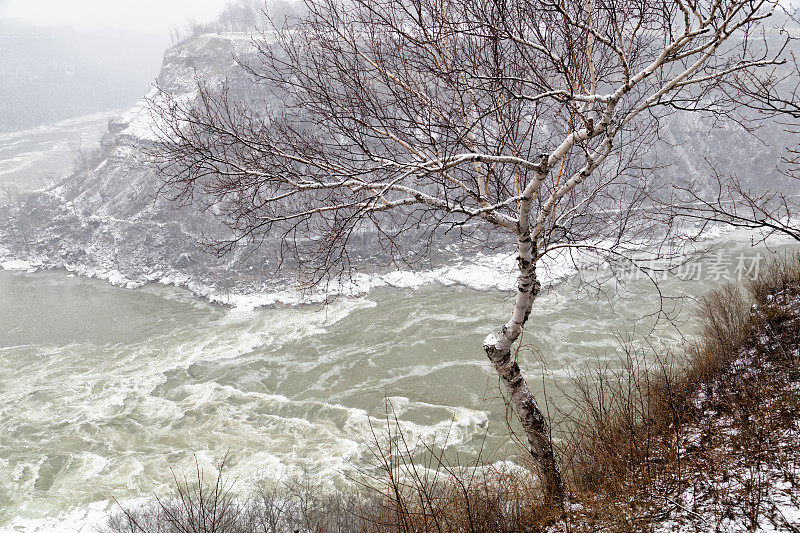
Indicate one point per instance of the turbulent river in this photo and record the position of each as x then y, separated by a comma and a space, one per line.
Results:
104, 390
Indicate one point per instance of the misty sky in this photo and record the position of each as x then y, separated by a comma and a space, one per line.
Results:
149, 16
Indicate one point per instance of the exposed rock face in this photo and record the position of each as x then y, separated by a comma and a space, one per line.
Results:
109, 221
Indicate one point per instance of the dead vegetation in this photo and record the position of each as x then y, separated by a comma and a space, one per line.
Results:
704, 441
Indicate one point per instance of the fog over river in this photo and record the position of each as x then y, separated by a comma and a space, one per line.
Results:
104, 389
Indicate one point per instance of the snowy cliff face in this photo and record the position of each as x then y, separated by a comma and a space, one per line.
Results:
692, 148
109, 222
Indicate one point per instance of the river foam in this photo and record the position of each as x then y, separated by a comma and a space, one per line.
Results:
484, 272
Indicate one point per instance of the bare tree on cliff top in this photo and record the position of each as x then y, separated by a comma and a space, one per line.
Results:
416, 116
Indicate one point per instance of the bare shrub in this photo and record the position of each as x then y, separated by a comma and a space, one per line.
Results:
194, 507
776, 276
86, 158
726, 323
616, 420
417, 488
411, 487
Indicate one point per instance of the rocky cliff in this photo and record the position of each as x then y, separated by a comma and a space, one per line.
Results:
109, 221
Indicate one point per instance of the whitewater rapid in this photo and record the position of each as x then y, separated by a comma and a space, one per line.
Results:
104, 389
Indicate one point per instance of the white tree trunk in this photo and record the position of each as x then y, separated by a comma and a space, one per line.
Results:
498, 349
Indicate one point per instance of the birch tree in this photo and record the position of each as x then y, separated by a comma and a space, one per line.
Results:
529, 118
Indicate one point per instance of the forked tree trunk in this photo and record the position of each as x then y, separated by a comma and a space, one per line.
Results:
498, 349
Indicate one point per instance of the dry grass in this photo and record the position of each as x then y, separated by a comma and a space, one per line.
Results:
779, 275
701, 441
420, 490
